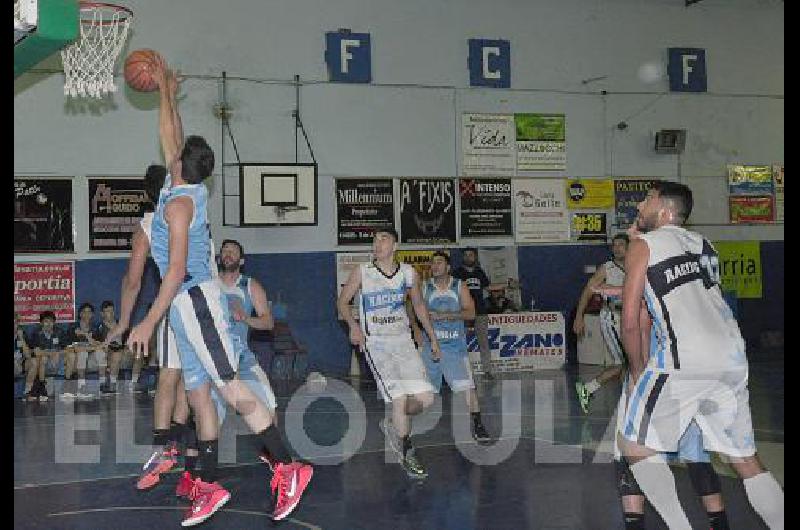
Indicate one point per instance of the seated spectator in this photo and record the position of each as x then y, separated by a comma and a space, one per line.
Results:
115, 351
48, 344
83, 341
498, 303
25, 362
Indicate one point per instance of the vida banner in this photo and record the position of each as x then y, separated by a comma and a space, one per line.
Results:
487, 145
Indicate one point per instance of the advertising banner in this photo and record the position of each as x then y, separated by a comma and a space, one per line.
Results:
115, 208
362, 207
485, 207
427, 211
44, 286
523, 341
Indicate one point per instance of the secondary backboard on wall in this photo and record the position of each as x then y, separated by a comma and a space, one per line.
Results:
277, 194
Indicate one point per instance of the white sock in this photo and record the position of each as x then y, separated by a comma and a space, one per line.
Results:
113, 379
134, 378
658, 484
28, 387
766, 497
592, 386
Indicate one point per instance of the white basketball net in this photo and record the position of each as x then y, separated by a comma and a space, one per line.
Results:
89, 61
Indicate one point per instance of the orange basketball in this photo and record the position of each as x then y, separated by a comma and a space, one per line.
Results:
139, 66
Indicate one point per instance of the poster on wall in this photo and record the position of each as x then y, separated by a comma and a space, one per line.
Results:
419, 259
541, 210
628, 193
485, 207
363, 206
740, 267
541, 142
589, 226
522, 342
751, 209
115, 208
777, 176
590, 193
749, 180
487, 145
43, 215
44, 286
427, 211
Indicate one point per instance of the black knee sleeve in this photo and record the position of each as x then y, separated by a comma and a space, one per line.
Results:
634, 521
207, 460
704, 479
626, 482
190, 434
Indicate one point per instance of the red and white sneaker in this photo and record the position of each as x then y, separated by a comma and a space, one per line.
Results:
160, 462
185, 483
206, 498
288, 484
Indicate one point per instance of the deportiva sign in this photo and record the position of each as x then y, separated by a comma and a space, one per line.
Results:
48, 286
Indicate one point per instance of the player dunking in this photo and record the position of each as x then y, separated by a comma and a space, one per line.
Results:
384, 336
697, 369
449, 304
198, 312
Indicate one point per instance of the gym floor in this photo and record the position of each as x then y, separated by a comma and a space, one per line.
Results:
542, 483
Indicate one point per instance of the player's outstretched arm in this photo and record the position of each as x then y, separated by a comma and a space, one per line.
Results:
343, 304
597, 279
178, 214
263, 318
169, 123
421, 309
131, 283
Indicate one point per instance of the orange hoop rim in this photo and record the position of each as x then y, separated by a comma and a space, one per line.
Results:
103, 5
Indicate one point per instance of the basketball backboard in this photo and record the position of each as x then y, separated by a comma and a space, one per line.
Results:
277, 194
41, 28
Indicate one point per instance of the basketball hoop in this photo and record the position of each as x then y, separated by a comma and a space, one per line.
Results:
89, 61
280, 211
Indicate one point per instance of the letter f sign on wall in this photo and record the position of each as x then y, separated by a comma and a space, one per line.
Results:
687, 70
489, 63
348, 56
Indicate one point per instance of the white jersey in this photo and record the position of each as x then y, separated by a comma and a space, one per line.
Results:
693, 327
615, 275
382, 308
147, 224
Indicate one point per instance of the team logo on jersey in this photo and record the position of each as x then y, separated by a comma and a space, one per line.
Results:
680, 270
392, 299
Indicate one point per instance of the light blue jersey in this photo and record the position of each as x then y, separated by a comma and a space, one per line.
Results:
450, 333
198, 269
239, 292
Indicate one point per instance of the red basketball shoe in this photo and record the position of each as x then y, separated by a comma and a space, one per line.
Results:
288, 484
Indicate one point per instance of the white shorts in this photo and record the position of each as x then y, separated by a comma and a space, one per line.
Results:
209, 352
664, 403
610, 328
397, 367
167, 346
